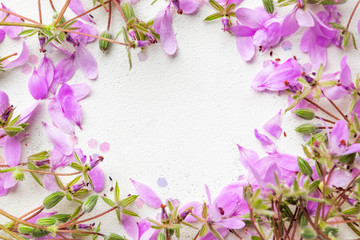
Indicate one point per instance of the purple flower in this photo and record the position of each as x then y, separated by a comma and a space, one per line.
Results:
278, 77
256, 28
163, 26
338, 140
22, 59
77, 7
11, 31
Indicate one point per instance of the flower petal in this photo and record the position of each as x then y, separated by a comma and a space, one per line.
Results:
65, 69
4, 102
130, 225
12, 151
98, 178
80, 91
72, 110
147, 194
189, 6
77, 7
59, 139
273, 126
87, 62
37, 86
24, 55
246, 48
46, 70
163, 26
58, 118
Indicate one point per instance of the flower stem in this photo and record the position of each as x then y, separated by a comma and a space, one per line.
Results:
109, 17
10, 232
51, 173
322, 109
120, 10
19, 16
40, 14
15, 219
62, 11
30, 212
352, 15
52, 5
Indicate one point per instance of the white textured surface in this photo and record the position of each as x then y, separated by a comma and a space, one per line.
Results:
174, 117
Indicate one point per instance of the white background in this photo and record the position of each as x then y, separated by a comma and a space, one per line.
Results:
174, 117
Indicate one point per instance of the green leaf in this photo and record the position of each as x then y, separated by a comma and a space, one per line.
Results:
213, 17
217, 6
346, 38
127, 201
204, 230
36, 179
73, 182
215, 233
117, 192
108, 201
129, 213
269, 6
337, 26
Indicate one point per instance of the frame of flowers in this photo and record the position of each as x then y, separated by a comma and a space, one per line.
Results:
283, 197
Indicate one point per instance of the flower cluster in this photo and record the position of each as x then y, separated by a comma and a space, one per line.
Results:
283, 196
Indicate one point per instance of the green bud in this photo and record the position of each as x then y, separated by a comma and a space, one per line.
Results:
331, 231
313, 186
305, 113
160, 236
304, 167
303, 221
128, 10
38, 233
24, 229
17, 174
12, 131
103, 44
308, 233
113, 236
48, 221
90, 203
53, 199
307, 128
351, 211
61, 217
269, 6
62, 20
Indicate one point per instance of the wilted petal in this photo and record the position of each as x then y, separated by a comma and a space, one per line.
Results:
65, 69
72, 110
77, 7
59, 139
131, 226
80, 91
273, 126
163, 26
246, 48
37, 86
12, 151
87, 62
46, 70
50, 183
189, 6
4, 102
266, 142
59, 119
24, 55
98, 179
147, 194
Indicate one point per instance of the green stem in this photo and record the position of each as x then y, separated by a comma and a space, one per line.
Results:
10, 232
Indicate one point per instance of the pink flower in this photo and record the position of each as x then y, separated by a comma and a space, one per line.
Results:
163, 26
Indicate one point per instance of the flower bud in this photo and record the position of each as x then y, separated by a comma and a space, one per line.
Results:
142, 43
103, 44
269, 6
53, 199
6, 116
77, 187
160, 236
61, 217
12, 131
38, 233
17, 174
132, 34
42, 41
305, 113
113, 236
304, 167
24, 229
90, 203
226, 23
48, 221
128, 10
184, 214
306, 128
308, 233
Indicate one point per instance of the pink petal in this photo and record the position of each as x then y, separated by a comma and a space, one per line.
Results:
147, 194
163, 26
266, 142
249, 17
24, 55
339, 133
290, 25
46, 70
246, 48
130, 225
12, 151
189, 6
72, 110
37, 86
340, 178
209, 236
2, 35
77, 7
58, 118
65, 69
304, 18
50, 183
59, 139
87, 62
27, 113
248, 157
84, 28
9, 181
64, 91
12, 31
80, 91
355, 148
4, 102
233, 223
273, 126
98, 179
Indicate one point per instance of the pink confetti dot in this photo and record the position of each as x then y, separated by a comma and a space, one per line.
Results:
92, 143
33, 59
26, 69
104, 147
